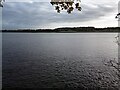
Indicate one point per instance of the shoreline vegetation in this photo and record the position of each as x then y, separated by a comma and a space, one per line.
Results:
67, 30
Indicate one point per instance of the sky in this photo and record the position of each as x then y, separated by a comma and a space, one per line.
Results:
35, 14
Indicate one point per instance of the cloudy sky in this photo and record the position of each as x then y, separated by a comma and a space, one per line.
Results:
41, 14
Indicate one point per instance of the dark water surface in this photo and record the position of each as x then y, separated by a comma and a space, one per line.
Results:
58, 60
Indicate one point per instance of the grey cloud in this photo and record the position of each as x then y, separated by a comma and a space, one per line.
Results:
35, 15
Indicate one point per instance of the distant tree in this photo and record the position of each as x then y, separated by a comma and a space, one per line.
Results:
68, 5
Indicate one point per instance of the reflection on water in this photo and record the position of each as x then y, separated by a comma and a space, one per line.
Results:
58, 60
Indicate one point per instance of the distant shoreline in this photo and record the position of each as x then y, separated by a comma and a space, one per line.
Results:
58, 32
68, 30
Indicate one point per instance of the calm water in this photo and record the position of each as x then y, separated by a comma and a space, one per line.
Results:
58, 60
